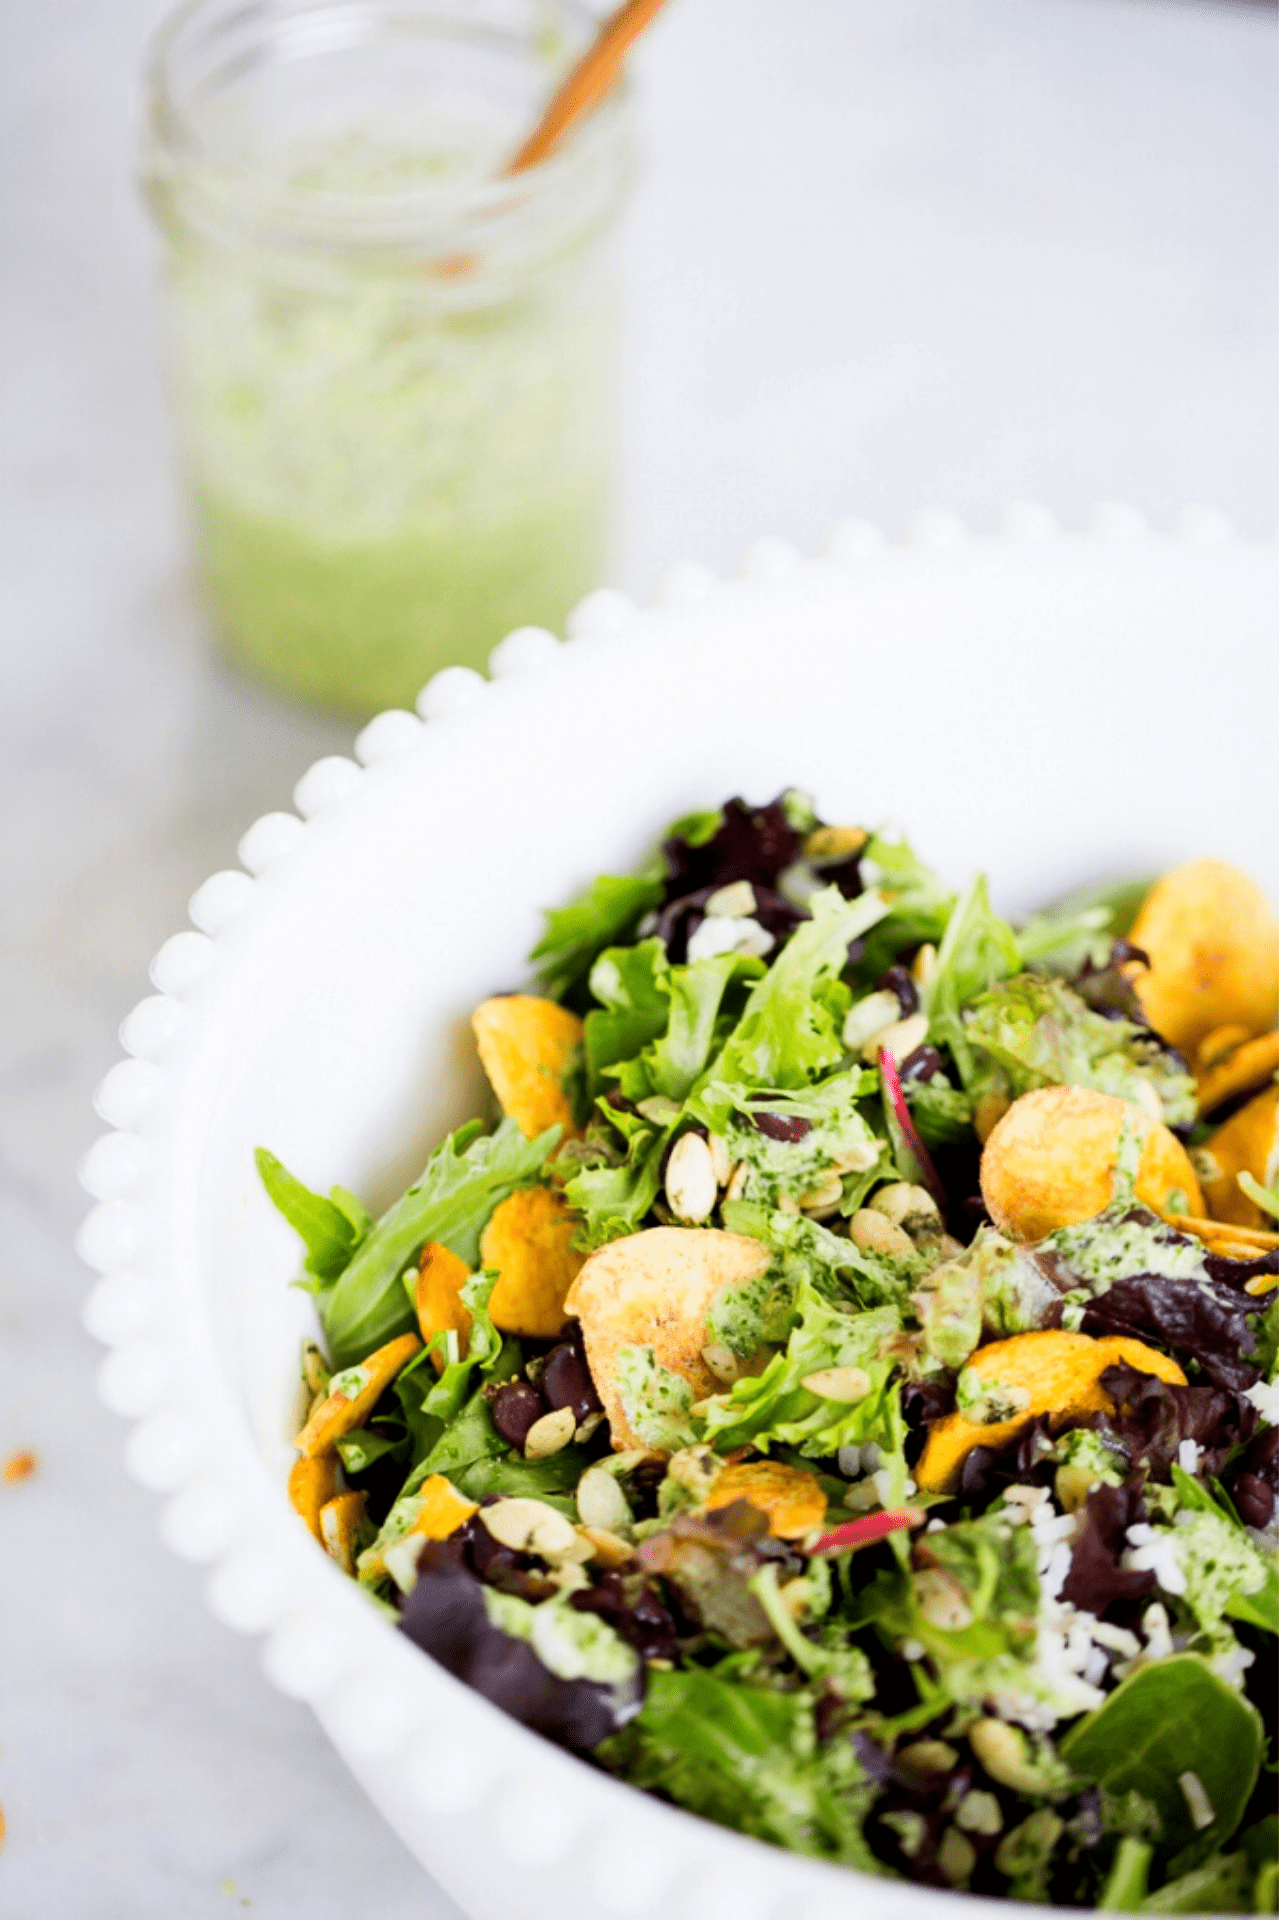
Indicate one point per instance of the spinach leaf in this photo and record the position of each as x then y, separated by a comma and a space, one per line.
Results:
332, 1229
412, 1385
1168, 1719
470, 1437
575, 934
1221, 1885
464, 1179
362, 1446
553, 1480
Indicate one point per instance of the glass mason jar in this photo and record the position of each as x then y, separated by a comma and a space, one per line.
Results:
394, 368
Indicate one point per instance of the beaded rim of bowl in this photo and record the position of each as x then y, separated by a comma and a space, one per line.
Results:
426, 1747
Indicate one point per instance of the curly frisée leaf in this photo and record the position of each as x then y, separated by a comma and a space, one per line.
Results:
787, 1034
978, 950
574, 935
463, 1181
747, 1757
776, 1405
632, 988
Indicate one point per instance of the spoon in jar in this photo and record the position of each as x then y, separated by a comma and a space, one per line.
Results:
586, 83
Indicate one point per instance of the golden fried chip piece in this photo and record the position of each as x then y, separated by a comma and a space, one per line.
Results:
353, 1394
443, 1509
313, 1482
1213, 944
1245, 1144
1051, 1161
654, 1289
1246, 1066
340, 1528
1231, 1242
525, 1045
529, 1240
1219, 1045
437, 1298
1052, 1372
792, 1499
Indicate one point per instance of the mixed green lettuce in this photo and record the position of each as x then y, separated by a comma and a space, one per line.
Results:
1034, 1031
1042, 1680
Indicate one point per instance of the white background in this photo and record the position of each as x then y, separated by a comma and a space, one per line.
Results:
886, 254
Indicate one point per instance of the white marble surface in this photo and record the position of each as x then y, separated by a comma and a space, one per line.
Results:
885, 255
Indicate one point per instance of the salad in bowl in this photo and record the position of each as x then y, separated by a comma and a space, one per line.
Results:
840, 1394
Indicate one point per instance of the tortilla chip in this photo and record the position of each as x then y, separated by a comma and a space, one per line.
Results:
313, 1482
354, 1394
529, 1241
654, 1289
526, 1045
1246, 1066
792, 1499
1213, 944
1245, 1144
441, 1275
1051, 1160
340, 1521
443, 1509
1055, 1373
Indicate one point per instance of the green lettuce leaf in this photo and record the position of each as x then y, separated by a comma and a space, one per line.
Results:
943, 1115
989, 1567
465, 1178
574, 935
632, 987
699, 994
748, 1757
789, 1032
1035, 1031
839, 1271
839, 1134
1267, 1198
919, 903
978, 950
1226, 1574
613, 1194
776, 1407
331, 1229
1082, 926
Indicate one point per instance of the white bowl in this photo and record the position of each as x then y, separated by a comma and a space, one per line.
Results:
1053, 709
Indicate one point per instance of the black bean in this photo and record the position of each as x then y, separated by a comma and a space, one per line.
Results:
897, 980
922, 1064
780, 1126
1253, 1499
566, 1381
516, 1407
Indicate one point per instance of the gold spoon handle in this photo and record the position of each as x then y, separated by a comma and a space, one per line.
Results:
587, 83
